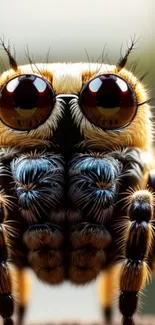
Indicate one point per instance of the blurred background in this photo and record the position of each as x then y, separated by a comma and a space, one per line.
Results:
68, 28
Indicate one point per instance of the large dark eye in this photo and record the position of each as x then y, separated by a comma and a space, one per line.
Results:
108, 101
26, 102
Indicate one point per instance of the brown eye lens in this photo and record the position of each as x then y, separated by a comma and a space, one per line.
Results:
108, 101
26, 102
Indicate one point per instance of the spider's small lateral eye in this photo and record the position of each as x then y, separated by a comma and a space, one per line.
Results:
108, 101
26, 102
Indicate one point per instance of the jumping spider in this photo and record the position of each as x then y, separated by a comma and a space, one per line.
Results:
77, 180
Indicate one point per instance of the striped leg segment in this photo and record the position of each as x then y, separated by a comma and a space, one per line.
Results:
6, 299
139, 239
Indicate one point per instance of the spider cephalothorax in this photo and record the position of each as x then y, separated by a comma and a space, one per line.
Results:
75, 161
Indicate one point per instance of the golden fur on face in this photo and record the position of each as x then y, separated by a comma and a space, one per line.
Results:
68, 78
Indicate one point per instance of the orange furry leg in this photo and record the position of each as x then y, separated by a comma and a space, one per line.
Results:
22, 290
107, 286
138, 241
6, 283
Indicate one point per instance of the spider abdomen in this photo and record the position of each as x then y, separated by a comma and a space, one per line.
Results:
66, 212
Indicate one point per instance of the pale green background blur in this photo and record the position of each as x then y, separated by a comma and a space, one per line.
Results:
68, 28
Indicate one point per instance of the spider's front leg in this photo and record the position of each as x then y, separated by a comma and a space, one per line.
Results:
138, 240
6, 298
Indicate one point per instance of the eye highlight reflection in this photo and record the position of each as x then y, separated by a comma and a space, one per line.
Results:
108, 101
26, 102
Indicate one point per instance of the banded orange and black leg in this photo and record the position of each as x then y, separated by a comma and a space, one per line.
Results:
6, 297
138, 241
